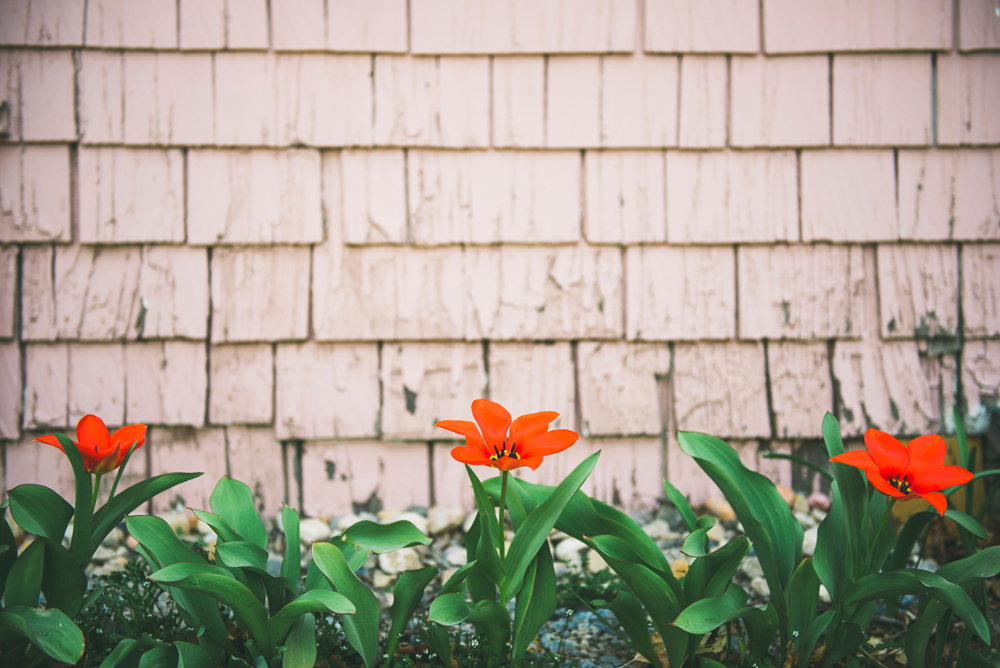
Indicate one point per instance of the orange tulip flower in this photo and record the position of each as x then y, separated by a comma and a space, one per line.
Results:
527, 443
102, 452
907, 472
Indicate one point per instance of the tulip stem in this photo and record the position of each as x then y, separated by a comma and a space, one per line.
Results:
878, 529
503, 506
97, 491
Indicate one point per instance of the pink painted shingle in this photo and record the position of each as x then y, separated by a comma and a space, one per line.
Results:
42, 23
638, 103
572, 102
168, 98
531, 377
324, 100
10, 390
246, 99
202, 24
298, 25
981, 289
256, 458
981, 382
365, 195
968, 93
38, 303
704, 86
780, 101
8, 290
132, 24
868, 214
241, 382
97, 382
101, 99
166, 383
918, 290
519, 101
182, 449
46, 385
621, 387
882, 100
979, 25
702, 26
34, 193
625, 196
375, 25
801, 388
247, 24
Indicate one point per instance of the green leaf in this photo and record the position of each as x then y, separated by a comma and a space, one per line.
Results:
682, 505
801, 461
219, 525
832, 557
709, 614
291, 565
487, 556
886, 539
846, 642
495, 621
964, 572
317, 601
406, 597
159, 657
241, 554
39, 510
539, 524
300, 647
907, 538
696, 544
456, 582
484, 504
810, 637
517, 497
361, 628
881, 585
114, 511
919, 631
8, 548
711, 574
764, 514
854, 492
630, 614
535, 603
967, 522
84, 513
233, 501
802, 596
24, 583
381, 538
480, 586
63, 582
192, 656
51, 631
762, 625
449, 609
218, 583
441, 641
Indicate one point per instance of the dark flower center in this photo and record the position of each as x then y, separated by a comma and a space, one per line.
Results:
901, 483
505, 451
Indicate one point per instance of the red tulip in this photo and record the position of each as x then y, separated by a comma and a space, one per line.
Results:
907, 472
102, 452
527, 443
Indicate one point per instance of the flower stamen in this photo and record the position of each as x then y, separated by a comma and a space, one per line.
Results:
901, 483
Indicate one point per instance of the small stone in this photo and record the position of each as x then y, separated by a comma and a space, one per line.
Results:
368, 517
15, 529
818, 515
382, 580
660, 530
928, 564
394, 563
718, 534
210, 538
202, 528
103, 554
809, 542
313, 530
132, 543
679, 567
751, 567
469, 519
446, 574
819, 501
179, 522
759, 587
806, 520
787, 493
274, 566
441, 519
455, 556
114, 538
596, 563
415, 519
720, 509
800, 505
569, 550
824, 595
347, 520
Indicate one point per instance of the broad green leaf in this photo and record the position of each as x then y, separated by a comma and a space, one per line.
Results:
291, 565
361, 628
219, 525
967, 522
709, 614
51, 631
406, 597
711, 574
495, 621
539, 524
233, 501
846, 642
83, 515
964, 572
766, 518
487, 556
535, 602
480, 586
449, 609
516, 499
119, 653
485, 504
907, 538
114, 511
807, 641
159, 657
696, 544
832, 557
762, 625
24, 583
315, 578
881, 585
630, 614
63, 581
682, 505
317, 601
441, 641
190, 655
219, 583
300, 646
39, 510
8, 548
241, 554
614, 547
802, 595
854, 492
381, 538
885, 541
456, 583
919, 632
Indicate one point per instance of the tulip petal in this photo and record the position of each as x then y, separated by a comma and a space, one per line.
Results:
939, 477
109, 461
467, 429
128, 435
527, 427
50, 440
549, 443
925, 451
92, 436
879, 483
938, 500
533, 462
493, 421
471, 454
889, 454
856, 458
